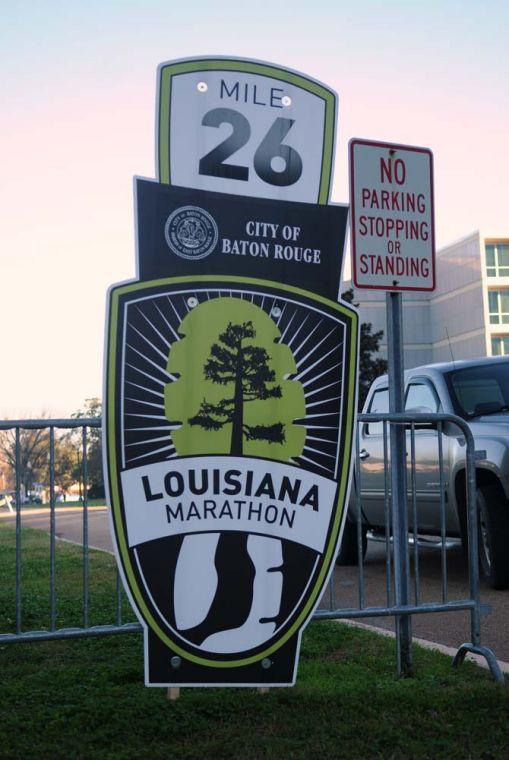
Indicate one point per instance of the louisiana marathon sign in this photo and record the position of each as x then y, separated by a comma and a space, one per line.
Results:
229, 434
231, 380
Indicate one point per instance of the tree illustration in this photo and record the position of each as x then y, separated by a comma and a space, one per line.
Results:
233, 388
245, 367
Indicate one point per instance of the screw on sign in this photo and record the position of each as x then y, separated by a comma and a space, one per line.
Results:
393, 238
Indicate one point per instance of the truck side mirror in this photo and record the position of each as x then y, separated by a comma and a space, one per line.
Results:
431, 425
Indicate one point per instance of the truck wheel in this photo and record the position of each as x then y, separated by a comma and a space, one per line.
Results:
347, 554
493, 526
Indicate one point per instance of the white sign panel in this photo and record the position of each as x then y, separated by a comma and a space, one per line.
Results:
158, 501
245, 128
392, 216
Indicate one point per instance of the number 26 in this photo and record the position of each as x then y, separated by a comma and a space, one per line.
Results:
212, 164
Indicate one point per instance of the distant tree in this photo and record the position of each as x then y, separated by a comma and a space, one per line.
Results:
32, 456
95, 480
6, 477
246, 370
370, 366
66, 463
91, 408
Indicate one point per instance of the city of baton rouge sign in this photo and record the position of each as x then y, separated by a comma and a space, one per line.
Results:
188, 232
230, 395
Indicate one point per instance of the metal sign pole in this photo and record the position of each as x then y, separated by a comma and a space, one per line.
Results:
380, 253
398, 481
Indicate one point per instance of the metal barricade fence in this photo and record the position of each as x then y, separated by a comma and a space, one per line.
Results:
397, 577
83, 626
396, 581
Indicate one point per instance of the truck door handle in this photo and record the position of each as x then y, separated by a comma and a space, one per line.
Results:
363, 454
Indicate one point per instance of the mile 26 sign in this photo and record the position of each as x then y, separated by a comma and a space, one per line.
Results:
245, 127
231, 377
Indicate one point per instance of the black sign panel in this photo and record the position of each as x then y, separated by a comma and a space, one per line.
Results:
184, 232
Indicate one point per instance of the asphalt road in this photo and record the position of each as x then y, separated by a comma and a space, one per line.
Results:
450, 629
69, 524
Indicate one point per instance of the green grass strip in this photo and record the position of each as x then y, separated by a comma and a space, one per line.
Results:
86, 699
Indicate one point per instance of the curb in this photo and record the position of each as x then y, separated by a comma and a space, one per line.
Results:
425, 644
78, 543
47, 511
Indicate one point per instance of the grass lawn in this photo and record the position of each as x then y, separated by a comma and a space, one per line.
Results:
35, 584
85, 698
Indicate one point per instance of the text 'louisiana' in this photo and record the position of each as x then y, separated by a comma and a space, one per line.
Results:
233, 482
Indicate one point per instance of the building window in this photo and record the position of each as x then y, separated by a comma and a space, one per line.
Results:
497, 260
500, 345
499, 306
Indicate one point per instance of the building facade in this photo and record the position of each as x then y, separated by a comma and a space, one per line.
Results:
467, 316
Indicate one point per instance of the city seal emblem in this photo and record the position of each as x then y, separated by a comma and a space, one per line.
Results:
191, 232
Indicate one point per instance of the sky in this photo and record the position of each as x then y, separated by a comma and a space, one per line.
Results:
77, 122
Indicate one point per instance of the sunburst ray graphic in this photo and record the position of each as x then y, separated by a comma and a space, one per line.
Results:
153, 326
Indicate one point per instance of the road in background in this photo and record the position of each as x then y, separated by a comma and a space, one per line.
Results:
451, 628
69, 524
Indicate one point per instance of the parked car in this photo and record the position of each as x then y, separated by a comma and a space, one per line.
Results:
477, 391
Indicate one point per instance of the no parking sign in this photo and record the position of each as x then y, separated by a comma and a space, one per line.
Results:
392, 216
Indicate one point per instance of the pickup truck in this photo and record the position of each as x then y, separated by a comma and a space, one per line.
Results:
477, 391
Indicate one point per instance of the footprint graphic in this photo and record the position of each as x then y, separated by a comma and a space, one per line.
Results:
249, 590
196, 579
